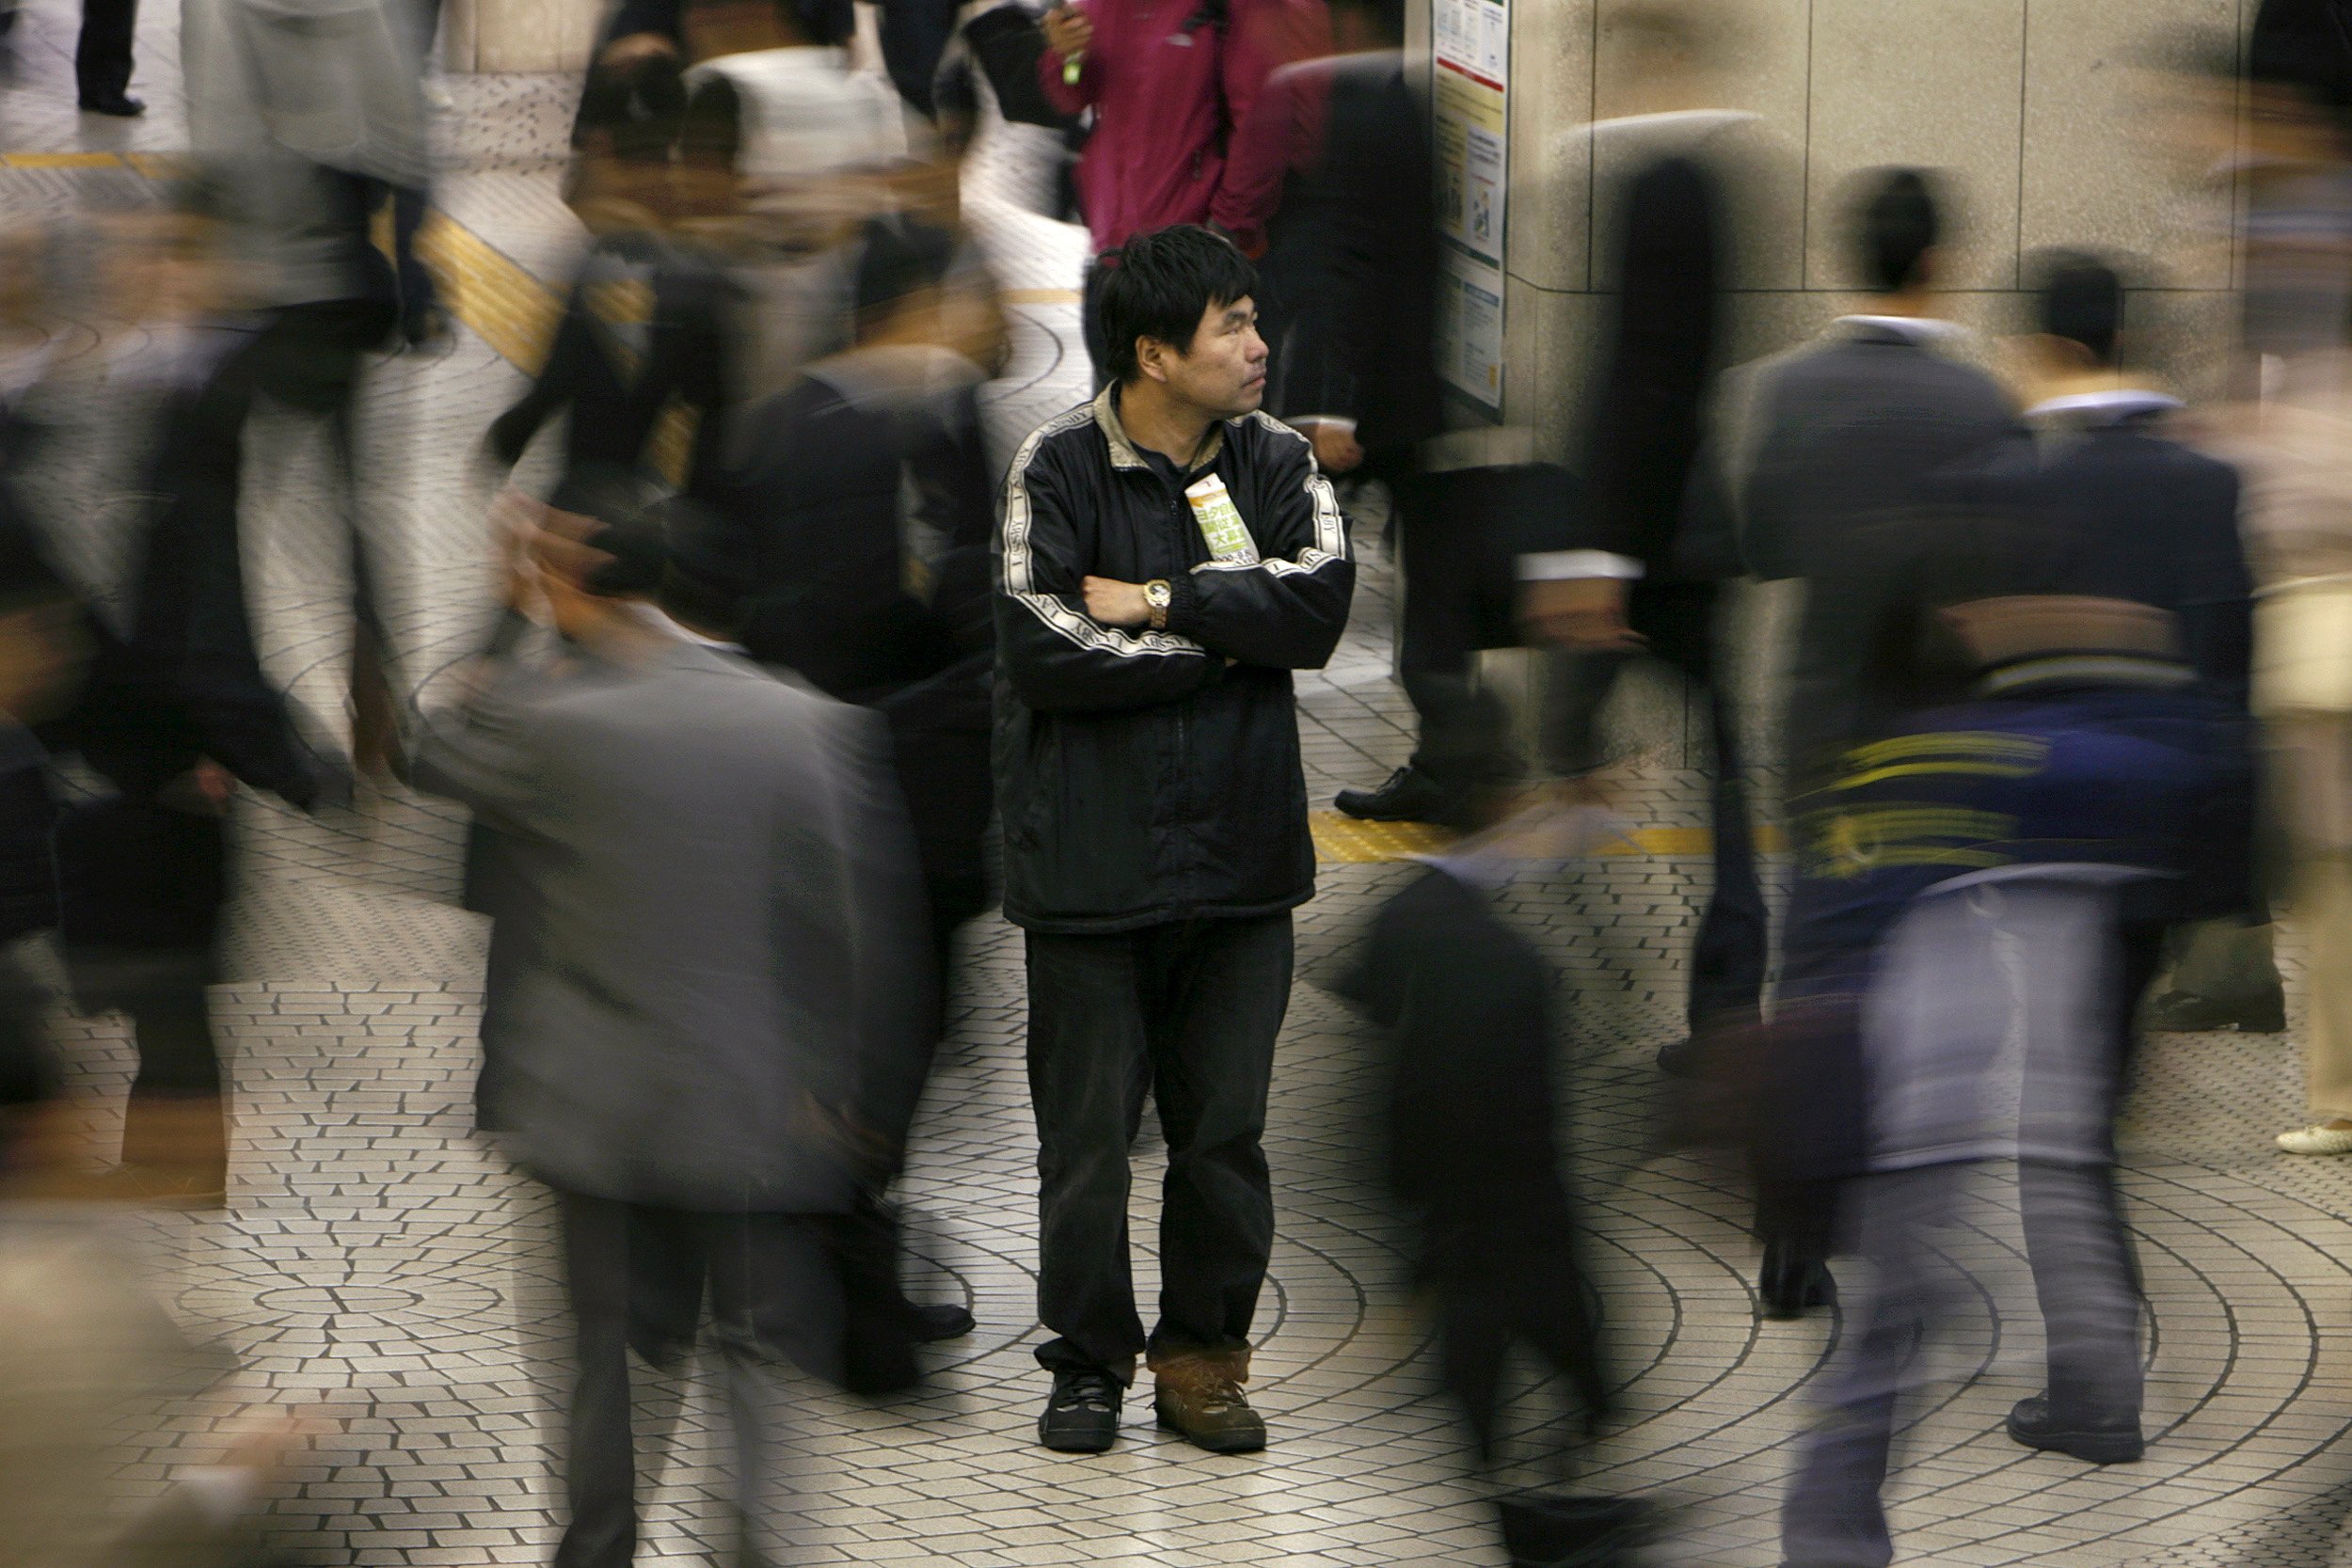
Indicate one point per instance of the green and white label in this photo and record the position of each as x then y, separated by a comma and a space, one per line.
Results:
1220, 522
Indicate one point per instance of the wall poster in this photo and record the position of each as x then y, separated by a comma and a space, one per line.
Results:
1468, 91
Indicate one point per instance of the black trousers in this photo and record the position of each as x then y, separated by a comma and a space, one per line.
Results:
774, 1292
1456, 538
1729, 954
102, 57
1188, 1012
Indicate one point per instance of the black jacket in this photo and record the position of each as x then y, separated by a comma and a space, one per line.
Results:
1149, 776
1355, 245
1838, 440
1649, 403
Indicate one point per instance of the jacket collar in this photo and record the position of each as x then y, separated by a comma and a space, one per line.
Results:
1911, 331
2121, 405
1123, 452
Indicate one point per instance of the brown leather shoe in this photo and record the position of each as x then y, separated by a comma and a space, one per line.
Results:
1200, 1396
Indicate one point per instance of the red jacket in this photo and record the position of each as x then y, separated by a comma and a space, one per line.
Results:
1165, 97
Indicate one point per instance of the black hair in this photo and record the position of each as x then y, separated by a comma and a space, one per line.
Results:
1897, 225
2307, 45
1386, 16
898, 258
2080, 299
632, 531
639, 105
1163, 284
823, 21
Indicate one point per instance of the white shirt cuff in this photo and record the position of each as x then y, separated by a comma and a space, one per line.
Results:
1552, 565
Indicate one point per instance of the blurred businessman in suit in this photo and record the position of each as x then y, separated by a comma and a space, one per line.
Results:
726, 983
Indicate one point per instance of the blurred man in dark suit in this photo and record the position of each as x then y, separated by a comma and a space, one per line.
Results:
1821, 445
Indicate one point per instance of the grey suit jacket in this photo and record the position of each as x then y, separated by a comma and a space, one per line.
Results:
1825, 448
727, 975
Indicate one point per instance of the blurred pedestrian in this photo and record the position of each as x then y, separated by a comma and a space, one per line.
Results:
1331, 175
1169, 555
1629, 579
2293, 449
1814, 448
177, 711
309, 120
726, 977
1167, 80
647, 322
102, 58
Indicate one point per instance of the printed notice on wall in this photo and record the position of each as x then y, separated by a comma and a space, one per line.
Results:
1468, 107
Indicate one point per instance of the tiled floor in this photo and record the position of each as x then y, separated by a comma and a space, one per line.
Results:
381, 1260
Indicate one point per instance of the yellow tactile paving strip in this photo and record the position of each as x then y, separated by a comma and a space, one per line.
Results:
1341, 840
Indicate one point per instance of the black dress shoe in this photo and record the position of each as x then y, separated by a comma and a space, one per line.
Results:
2181, 1012
1083, 1414
2032, 1423
1409, 795
122, 105
929, 1323
1791, 1283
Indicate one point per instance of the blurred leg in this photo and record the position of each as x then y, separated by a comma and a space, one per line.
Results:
1833, 1516
101, 56
600, 1461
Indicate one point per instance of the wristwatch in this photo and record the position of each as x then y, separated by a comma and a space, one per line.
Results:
1158, 596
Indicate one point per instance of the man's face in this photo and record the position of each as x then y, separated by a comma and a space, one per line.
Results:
1223, 373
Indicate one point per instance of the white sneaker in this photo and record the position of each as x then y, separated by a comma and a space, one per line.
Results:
2317, 1140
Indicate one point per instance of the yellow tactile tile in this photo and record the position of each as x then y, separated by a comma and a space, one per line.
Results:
1341, 840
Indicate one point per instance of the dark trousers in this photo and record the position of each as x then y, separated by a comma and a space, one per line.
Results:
102, 57
1456, 545
1677, 620
1187, 1011
773, 1291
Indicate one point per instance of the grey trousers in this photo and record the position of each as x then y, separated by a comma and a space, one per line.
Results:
1990, 1030
2083, 1276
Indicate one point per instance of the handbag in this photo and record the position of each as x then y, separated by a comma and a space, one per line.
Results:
2303, 648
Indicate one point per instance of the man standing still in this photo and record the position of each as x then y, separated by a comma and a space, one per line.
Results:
1169, 555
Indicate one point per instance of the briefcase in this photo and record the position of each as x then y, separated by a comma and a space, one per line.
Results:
1563, 1529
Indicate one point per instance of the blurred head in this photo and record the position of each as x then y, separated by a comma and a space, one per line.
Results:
2079, 309
630, 117
1361, 24
161, 260
1177, 313
901, 270
1897, 225
717, 28
1665, 44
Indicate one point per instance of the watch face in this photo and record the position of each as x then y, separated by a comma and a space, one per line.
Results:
1157, 595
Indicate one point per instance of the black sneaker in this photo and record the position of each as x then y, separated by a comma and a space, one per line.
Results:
2181, 1012
2030, 1423
929, 1322
1083, 1414
1409, 795
1791, 1283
